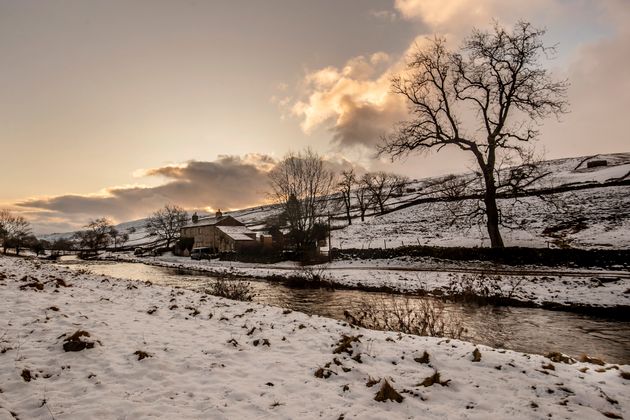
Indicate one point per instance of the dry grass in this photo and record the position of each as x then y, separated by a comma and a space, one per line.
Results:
434, 379
142, 354
232, 289
425, 317
388, 393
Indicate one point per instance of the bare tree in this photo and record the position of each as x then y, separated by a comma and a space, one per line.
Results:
499, 77
114, 234
14, 231
302, 184
383, 186
347, 182
96, 236
123, 239
6, 219
119, 238
363, 197
62, 245
453, 187
167, 223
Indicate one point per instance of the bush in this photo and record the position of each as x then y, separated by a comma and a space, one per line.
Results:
425, 317
309, 277
483, 288
232, 289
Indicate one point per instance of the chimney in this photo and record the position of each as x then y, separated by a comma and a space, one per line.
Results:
195, 218
218, 214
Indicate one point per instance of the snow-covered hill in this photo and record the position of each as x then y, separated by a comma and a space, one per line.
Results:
596, 216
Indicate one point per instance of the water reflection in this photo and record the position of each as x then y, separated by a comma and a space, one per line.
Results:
522, 329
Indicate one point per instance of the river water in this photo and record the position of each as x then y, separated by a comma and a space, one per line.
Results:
528, 330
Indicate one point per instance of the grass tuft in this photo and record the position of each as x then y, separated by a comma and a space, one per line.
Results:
388, 393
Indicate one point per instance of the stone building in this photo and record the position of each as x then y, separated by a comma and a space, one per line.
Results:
221, 233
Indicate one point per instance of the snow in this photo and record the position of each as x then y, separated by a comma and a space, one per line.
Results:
238, 233
533, 285
603, 211
207, 365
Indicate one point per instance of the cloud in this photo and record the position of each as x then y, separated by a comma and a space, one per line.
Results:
228, 182
599, 93
458, 16
354, 102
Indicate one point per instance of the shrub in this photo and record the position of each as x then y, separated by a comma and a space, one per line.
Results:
309, 277
410, 316
232, 289
483, 288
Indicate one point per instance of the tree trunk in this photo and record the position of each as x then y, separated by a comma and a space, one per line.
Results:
492, 215
381, 207
348, 215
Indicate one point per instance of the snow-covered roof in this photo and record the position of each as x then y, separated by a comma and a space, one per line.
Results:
238, 233
207, 221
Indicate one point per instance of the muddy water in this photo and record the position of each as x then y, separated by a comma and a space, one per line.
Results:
522, 329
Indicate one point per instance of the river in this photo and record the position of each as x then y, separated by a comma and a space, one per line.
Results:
528, 330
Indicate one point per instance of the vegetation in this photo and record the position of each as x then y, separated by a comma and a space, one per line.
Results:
118, 238
499, 75
96, 236
14, 231
302, 184
410, 316
372, 189
382, 187
167, 223
344, 187
231, 289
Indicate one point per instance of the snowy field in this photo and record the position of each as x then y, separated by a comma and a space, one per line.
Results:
603, 213
206, 357
596, 288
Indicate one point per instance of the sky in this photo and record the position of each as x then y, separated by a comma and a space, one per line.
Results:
115, 108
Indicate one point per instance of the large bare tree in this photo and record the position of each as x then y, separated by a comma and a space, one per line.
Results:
167, 223
484, 99
301, 184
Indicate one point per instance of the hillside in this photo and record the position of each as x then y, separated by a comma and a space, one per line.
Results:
588, 210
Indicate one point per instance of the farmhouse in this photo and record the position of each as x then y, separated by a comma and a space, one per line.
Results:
219, 233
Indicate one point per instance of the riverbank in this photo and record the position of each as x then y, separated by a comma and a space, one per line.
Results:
175, 353
597, 292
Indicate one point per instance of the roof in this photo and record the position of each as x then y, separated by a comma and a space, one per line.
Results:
238, 233
207, 221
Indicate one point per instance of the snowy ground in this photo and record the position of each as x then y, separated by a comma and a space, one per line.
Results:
561, 287
213, 358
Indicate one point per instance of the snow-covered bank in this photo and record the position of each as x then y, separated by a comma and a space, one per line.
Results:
213, 358
577, 288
